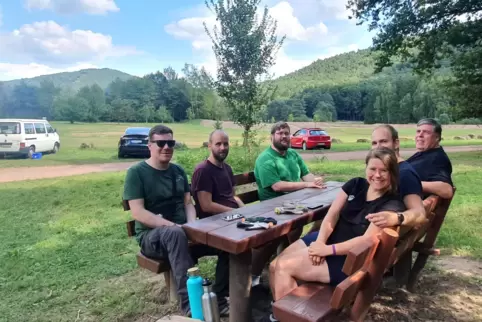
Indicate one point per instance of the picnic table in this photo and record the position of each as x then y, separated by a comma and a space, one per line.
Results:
224, 235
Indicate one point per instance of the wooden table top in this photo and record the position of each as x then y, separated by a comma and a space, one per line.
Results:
218, 233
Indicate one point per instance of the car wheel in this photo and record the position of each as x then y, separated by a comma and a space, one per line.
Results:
120, 155
327, 147
304, 146
56, 148
30, 152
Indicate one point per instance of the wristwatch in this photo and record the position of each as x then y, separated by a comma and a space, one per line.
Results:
401, 218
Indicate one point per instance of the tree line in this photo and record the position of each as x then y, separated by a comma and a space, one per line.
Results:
156, 97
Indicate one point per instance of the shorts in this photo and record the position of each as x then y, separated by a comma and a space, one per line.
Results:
335, 263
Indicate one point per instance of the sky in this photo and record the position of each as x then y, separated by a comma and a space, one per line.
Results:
40, 37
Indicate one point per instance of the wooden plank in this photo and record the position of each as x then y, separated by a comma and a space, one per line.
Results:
377, 267
240, 287
345, 292
308, 302
198, 230
244, 178
130, 226
235, 240
249, 197
359, 255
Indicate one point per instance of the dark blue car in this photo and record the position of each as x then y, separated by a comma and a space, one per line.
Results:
134, 143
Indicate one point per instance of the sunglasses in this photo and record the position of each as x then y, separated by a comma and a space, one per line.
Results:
162, 143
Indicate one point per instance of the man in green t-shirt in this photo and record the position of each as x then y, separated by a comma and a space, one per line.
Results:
279, 170
160, 202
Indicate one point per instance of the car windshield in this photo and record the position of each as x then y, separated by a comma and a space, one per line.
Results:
9, 127
317, 132
139, 131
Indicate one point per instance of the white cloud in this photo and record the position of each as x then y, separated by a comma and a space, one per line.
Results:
93, 7
51, 43
337, 8
16, 71
192, 28
316, 36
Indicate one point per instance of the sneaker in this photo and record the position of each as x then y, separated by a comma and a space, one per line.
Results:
268, 318
223, 306
224, 310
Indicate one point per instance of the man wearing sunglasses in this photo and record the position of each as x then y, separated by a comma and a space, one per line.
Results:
160, 202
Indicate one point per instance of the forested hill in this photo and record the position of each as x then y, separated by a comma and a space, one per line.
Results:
343, 69
345, 87
74, 80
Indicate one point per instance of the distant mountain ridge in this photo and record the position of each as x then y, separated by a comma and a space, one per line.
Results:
75, 80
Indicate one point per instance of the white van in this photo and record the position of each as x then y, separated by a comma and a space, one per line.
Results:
25, 137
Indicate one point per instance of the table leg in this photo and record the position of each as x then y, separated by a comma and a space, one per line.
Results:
240, 287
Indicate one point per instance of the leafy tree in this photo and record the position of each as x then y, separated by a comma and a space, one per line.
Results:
245, 49
429, 35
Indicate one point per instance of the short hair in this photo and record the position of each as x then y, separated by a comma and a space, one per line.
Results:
390, 160
437, 128
159, 130
391, 129
278, 126
216, 131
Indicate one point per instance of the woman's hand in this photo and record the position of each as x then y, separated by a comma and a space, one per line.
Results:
319, 249
316, 260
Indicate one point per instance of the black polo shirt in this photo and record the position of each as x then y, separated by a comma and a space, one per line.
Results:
432, 165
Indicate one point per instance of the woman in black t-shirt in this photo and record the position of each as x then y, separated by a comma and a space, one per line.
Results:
319, 256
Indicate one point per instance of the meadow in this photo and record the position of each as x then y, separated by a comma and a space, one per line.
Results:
66, 257
102, 139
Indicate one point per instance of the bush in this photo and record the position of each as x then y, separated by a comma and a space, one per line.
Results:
470, 121
180, 146
239, 159
444, 118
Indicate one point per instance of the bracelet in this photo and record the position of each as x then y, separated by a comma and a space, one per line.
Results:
333, 248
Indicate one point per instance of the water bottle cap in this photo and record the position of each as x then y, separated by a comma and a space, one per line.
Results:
206, 282
193, 271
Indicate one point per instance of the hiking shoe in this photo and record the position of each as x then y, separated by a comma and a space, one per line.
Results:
224, 309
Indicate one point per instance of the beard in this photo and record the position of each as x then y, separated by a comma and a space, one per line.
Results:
221, 156
281, 146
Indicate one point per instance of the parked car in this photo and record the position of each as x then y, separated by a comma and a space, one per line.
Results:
24, 137
310, 138
134, 142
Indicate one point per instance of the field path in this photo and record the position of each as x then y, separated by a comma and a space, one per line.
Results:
32, 173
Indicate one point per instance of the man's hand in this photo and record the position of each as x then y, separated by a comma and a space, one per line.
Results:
383, 219
318, 183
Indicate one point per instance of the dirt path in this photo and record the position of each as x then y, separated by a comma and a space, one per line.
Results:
32, 173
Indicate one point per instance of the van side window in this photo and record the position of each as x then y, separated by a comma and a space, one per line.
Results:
40, 128
29, 129
50, 129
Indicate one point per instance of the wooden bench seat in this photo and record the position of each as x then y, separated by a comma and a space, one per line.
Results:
158, 266
364, 265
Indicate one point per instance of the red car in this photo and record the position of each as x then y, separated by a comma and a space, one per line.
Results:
310, 138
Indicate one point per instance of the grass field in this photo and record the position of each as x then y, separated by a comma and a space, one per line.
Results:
104, 138
66, 257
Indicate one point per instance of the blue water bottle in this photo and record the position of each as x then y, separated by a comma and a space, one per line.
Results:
195, 293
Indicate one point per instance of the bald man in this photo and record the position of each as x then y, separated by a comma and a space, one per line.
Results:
213, 183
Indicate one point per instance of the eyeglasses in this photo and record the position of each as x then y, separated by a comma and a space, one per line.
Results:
162, 143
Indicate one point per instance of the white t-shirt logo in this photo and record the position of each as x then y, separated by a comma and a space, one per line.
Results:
351, 197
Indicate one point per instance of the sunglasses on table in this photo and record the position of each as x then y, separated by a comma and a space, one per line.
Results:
162, 143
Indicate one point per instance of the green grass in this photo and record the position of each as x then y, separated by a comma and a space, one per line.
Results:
104, 138
65, 254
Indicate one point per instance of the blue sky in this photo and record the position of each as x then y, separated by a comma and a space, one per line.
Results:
138, 37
